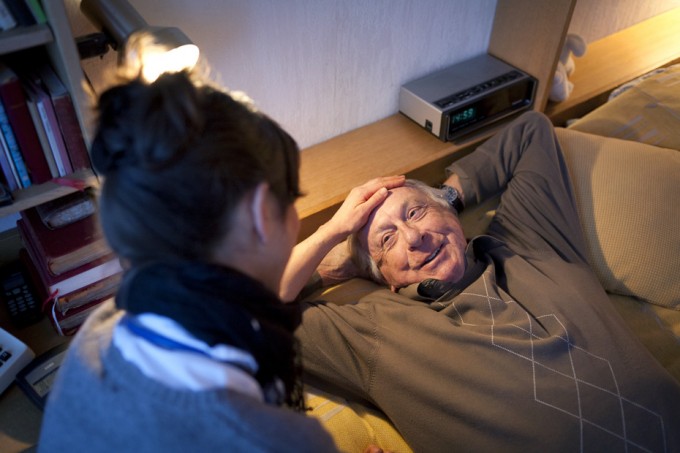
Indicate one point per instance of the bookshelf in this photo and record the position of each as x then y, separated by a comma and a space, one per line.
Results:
56, 38
19, 417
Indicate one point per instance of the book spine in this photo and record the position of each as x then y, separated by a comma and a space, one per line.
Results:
93, 272
17, 159
7, 166
102, 289
42, 135
87, 277
34, 255
70, 130
22, 14
36, 9
7, 21
49, 122
67, 117
34, 276
14, 100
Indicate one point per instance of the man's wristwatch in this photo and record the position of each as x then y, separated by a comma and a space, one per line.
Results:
453, 198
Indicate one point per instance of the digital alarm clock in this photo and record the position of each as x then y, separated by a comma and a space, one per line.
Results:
467, 96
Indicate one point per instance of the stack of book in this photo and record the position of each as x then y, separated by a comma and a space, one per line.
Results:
70, 263
40, 137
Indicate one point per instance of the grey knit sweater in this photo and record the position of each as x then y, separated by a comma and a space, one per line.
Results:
102, 403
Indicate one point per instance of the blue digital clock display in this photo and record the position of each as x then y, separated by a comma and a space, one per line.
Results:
463, 116
492, 106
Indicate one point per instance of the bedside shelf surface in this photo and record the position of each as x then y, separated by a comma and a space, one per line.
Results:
392, 146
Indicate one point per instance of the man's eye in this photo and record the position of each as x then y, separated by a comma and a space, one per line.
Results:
415, 212
386, 240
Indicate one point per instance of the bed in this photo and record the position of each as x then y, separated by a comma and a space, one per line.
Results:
624, 162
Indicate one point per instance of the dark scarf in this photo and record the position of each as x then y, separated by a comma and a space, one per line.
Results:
219, 305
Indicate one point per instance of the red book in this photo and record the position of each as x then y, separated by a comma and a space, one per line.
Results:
66, 115
65, 322
99, 290
50, 124
65, 248
69, 323
51, 286
14, 100
32, 103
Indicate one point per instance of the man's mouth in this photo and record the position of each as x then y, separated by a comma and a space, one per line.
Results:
432, 256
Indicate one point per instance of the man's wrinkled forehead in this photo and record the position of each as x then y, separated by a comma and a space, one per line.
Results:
396, 201
367, 228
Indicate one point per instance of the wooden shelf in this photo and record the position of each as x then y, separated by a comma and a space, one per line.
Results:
616, 59
392, 146
42, 193
22, 38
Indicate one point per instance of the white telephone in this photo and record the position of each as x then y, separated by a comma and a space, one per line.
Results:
14, 356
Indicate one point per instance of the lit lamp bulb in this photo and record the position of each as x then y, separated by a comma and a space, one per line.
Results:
154, 51
144, 50
175, 60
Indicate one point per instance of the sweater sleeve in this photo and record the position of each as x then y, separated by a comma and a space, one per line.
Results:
339, 344
524, 163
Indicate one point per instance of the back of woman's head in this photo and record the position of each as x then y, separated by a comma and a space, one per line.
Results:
176, 157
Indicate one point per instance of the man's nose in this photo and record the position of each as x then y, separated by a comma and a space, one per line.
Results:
413, 237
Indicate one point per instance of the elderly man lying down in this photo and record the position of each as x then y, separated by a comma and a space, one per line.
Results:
503, 343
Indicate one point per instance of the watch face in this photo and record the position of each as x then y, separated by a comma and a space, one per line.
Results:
451, 196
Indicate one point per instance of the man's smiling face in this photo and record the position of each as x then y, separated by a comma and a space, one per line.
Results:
413, 238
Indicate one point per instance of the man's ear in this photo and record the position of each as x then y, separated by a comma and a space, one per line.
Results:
259, 212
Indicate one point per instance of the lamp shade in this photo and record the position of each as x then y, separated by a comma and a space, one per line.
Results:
152, 50
117, 18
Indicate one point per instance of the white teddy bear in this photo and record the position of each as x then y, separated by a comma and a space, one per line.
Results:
562, 87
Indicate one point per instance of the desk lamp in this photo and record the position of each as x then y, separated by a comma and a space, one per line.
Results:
149, 50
